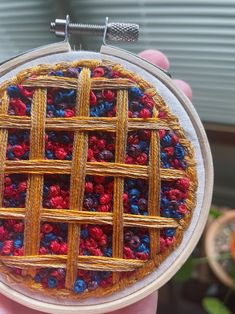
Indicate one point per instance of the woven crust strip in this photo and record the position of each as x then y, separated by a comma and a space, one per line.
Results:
71, 83
102, 169
85, 123
85, 217
97, 263
3, 140
154, 190
120, 150
35, 181
36, 167
78, 174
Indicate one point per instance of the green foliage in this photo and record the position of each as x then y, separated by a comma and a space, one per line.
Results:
185, 272
211, 305
215, 213
214, 306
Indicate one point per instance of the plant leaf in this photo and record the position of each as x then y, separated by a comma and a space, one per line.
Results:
185, 271
214, 306
215, 213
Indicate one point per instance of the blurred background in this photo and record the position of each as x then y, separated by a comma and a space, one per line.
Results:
198, 36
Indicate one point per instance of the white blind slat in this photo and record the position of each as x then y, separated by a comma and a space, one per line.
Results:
198, 36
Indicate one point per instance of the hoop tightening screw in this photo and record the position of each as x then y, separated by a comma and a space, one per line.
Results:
113, 31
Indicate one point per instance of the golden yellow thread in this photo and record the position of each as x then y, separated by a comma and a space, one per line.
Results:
3, 141
154, 190
35, 181
86, 217
120, 152
78, 175
83, 123
83, 262
92, 168
71, 83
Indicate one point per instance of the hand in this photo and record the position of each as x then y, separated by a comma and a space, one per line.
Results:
149, 304
161, 60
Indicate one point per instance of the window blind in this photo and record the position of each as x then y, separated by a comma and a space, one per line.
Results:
24, 25
198, 36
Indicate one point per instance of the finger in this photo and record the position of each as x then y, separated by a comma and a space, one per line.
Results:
184, 87
160, 59
156, 57
8, 306
147, 306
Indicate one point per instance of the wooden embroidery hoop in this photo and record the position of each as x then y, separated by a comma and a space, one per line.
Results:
123, 301
210, 247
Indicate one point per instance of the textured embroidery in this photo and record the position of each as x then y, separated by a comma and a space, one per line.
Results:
98, 178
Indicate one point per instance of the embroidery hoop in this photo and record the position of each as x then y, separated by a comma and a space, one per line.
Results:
173, 96
227, 220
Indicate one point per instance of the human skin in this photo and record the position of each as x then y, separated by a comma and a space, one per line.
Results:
147, 305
